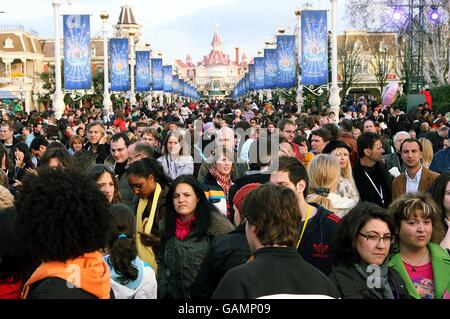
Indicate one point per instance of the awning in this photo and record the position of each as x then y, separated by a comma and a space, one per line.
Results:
7, 95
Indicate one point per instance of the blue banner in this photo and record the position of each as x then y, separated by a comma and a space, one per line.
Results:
259, 73
287, 61
247, 83
176, 84
168, 79
77, 52
118, 59
251, 77
157, 74
314, 47
142, 71
270, 68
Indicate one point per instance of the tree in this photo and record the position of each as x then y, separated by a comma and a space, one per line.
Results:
377, 16
350, 61
382, 51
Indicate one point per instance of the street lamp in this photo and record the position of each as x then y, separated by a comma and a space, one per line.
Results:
334, 100
161, 93
107, 104
132, 93
58, 100
149, 97
299, 98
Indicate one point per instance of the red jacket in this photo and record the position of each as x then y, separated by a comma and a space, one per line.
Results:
120, 123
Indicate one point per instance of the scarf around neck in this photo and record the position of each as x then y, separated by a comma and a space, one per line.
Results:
183, 228
380, 281
93, 274
224, 181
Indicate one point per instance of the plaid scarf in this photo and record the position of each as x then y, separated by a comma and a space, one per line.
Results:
224, 181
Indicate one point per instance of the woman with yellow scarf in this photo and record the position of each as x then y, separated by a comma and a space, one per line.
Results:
149, 182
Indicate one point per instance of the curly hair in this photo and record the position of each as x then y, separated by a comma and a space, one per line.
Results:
61, 215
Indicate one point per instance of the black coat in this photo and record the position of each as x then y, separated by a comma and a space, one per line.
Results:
227, 251
57, 288
351, 285
365, 187
274, 270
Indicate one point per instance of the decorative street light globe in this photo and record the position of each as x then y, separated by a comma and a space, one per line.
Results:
281, 30
397, 15
104, 16
298, 12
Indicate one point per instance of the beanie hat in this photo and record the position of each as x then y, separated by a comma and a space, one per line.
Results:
241, 194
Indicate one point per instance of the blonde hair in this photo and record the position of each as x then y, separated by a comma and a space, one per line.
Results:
6, 198
347, 170
427, 151
323, 172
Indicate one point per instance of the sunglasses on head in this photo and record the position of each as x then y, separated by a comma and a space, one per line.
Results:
97, 169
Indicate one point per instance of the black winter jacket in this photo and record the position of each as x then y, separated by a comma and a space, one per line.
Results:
227, 251
351, 285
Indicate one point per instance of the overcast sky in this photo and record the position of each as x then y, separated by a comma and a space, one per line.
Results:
177, 27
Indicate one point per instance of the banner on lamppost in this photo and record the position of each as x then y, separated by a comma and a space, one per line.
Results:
119, 72
270, 68
142, 71
176, 84
287, 61
157, 74
247, 83
77, 52
251, 77
314, 38
168, 79
259, 73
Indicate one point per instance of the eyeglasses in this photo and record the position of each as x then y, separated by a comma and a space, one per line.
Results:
376, 239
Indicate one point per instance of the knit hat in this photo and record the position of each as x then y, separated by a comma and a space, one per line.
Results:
241, 194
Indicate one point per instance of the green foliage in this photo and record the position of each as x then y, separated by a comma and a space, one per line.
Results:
401, 102
441, 98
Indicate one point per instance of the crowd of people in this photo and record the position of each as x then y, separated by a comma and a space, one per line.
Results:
225, 199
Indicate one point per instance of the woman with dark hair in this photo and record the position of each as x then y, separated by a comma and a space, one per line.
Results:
440, 191
423, 264
106, 180
7, 166
131, 278
149, 182
23, 162
190, 224
363, 241
56, 157
63, 221
173, 161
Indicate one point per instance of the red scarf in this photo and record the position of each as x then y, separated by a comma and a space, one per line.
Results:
183, 228
224, 181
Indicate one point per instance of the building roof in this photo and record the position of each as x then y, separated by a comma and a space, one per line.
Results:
126, 15
216, 56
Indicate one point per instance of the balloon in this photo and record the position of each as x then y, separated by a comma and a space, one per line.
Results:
389, 93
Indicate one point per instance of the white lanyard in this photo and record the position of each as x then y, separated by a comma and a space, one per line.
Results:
379, 192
